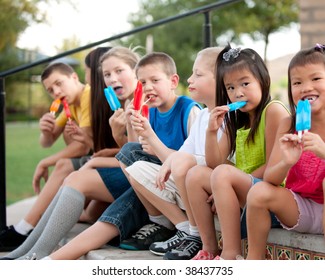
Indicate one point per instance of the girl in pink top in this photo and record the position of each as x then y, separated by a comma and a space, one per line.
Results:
300, 205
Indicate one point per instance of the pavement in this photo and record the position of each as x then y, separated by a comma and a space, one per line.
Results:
16, 211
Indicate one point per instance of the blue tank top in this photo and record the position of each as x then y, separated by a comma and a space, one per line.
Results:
171, 126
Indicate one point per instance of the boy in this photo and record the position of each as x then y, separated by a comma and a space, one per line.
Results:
60, 81
162, 188
171, 117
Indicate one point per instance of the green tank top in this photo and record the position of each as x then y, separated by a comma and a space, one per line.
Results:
251, 156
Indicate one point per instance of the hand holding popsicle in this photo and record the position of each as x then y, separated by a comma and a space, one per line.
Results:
111, 98
236, 105
55, 106
66, 109
303, 117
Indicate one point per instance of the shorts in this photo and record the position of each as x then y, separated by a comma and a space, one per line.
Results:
310, 216
80, 161
145, 173
114, 180
126, 213
132, 152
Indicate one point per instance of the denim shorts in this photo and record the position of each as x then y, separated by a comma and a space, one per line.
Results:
79, 161
243, 226
132, 152
114, 180
126, 213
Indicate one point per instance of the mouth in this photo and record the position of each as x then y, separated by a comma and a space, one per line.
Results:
310, 98
118, 90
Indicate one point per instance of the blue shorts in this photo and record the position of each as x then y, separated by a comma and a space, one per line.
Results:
126, 213
132, 152
114, 180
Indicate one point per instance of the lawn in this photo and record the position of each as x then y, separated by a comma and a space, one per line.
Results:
23, 152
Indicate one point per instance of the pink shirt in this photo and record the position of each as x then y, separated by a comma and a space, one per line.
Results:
306, 177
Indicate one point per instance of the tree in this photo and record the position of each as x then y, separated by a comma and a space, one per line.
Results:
182, 39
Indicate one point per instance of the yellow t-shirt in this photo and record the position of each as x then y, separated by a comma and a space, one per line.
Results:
80, 114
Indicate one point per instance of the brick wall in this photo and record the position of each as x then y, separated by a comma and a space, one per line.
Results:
312, 22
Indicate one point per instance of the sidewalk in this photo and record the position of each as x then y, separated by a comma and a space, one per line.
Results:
16, 211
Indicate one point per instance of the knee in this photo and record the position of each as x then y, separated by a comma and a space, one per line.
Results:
259, 194
72, 179
221, 175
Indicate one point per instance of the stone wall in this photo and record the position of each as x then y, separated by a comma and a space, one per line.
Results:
312, 22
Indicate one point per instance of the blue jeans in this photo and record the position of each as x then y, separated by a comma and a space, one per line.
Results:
132, 152
126, 213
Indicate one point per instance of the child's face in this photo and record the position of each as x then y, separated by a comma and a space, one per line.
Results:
202, 83
241, 85
308, 82
61, 86
120, 76
158, 86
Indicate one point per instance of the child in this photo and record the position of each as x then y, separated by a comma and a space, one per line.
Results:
250, 132
166, 195
102, 184
171, 118
126, 214
300, 205
60, 81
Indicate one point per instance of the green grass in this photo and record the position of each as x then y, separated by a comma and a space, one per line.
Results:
23, 152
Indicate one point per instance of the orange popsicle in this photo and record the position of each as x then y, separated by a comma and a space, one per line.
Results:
55, 106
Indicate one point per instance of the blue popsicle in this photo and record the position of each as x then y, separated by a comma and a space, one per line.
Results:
111, 98
303, 117
236, 105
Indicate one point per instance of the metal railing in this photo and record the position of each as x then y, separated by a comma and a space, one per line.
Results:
207, 40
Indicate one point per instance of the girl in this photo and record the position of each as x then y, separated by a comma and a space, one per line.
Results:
300, 205
117, 66
249, 131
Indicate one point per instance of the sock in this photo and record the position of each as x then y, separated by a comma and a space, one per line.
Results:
162, 220
64, 216
183, 226
194, 231
35, 234
23, 227
47, 258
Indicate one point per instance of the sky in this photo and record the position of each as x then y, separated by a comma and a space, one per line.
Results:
95, 20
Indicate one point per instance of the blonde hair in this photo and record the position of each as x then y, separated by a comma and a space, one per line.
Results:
129, 56
210, 55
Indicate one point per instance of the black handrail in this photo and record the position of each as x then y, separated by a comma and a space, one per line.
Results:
207, 42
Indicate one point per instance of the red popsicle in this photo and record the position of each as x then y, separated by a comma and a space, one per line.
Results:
145, 111
138, 96
66, 109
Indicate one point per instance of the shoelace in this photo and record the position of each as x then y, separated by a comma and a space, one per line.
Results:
146, 231
177, 238
32, 257
189, 243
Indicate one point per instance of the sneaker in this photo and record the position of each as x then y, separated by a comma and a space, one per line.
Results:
160, 248
147, 235
10, 239
189, 247
203, 256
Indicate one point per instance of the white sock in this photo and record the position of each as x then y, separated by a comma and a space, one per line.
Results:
162, 220
194, 231
47, 258
183, 226
23, 227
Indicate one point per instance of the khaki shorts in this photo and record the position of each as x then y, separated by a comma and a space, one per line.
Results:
145, 173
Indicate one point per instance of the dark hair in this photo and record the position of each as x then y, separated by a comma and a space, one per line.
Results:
102, 132
167, 63
60, 67
233, 60
314, 55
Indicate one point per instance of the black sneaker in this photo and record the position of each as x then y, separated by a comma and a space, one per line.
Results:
160, 248
10, 239
189, 247
145, 236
